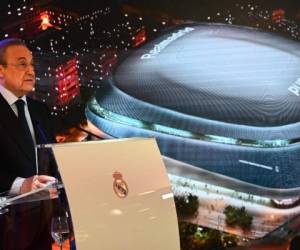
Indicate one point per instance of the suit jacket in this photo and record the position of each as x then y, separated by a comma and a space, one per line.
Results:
16, 160
26, 226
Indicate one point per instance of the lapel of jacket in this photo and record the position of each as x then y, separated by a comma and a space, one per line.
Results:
43, 155
40, 133
12, 127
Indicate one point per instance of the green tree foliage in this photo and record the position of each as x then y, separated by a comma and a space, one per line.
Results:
187, 206
214, 240
231, 215
187, 229
229, 240
193, 237
245, 220
238, 217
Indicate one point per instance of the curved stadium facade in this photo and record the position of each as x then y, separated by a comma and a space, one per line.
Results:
224, 99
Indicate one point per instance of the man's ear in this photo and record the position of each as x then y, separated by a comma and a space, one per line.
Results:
1, 71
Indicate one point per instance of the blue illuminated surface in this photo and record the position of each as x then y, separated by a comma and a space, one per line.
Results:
217, 98
114, 117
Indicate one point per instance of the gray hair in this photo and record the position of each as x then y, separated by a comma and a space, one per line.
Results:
4, 44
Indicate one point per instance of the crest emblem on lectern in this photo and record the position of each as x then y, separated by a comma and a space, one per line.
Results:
120, 186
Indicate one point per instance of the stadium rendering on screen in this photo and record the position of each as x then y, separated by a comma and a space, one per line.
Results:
224, 99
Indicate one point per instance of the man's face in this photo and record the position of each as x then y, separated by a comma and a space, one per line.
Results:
18, 75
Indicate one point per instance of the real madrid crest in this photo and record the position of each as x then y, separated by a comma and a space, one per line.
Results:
120, 186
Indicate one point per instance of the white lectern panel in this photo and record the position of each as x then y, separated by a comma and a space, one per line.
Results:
119, 194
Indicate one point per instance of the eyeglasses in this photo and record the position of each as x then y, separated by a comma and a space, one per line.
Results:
21, 66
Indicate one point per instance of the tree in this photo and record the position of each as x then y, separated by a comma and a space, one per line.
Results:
213, 240
187, 232
229, 240
245, 219
187, 229
231, 215
187, 206
238, 217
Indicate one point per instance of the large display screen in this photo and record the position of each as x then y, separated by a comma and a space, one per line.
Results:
217, 83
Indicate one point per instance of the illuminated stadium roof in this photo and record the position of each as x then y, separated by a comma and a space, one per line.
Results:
218, 72
223, 98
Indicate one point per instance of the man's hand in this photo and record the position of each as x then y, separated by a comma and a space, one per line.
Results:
35, 182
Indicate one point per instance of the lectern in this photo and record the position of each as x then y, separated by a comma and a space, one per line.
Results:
119, 194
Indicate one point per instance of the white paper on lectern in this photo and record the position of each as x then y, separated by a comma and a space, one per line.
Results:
145, 219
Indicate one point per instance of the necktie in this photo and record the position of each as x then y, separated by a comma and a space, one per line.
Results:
25, 128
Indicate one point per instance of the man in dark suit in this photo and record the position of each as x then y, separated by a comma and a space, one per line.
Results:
24, 123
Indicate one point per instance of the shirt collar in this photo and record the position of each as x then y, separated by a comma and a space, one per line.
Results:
10, 97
